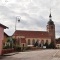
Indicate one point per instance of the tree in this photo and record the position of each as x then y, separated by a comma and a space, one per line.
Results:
36, 44
46, 44
51, 45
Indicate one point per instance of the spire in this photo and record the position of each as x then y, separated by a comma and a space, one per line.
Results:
50, 14
50, 22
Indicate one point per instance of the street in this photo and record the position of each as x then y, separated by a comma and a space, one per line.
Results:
48, 54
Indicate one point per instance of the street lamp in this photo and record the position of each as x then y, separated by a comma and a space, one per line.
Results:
17, 20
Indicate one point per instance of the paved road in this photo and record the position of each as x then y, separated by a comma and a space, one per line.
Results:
36, 55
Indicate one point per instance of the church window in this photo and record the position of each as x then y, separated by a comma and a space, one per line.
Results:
18, 41
28, 41
46, 44
33, 42
42, 41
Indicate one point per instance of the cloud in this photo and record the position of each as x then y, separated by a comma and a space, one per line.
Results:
34, 14
32, 23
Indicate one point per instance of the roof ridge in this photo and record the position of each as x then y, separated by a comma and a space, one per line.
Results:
31, 30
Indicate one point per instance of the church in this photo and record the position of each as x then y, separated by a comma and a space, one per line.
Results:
27, 38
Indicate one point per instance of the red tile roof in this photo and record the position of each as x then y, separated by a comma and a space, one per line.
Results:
6, 34
32, 34
57, 41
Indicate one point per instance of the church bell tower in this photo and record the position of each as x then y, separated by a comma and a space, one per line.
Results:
51, 29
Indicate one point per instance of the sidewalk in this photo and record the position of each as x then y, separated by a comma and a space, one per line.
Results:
10, 54
1, 57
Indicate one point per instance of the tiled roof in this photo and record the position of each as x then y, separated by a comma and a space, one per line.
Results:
32, 34
57, 41
6, 34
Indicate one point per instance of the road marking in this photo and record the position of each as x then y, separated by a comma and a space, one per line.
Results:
55, 53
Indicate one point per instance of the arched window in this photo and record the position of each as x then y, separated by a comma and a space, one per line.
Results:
46, 44
42, 41
33, 42
46, 41
18, 41
28, 41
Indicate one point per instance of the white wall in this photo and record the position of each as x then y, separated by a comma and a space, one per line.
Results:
39, 39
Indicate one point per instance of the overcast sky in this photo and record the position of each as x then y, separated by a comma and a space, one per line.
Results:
33, 14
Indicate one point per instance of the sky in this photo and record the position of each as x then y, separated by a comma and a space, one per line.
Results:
33, 14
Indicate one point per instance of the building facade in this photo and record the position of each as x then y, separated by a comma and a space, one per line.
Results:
34, 37
6, 36
2, 27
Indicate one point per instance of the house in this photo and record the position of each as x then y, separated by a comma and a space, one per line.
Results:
58, 43
2, 27
6, 36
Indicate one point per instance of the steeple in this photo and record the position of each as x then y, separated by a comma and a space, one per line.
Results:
50, 16
51, 28
50, 22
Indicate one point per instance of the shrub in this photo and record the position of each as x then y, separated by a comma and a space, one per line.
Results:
51, 45
18, 48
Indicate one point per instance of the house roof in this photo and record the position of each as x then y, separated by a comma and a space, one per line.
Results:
57, 41
6, 34
32, 34
1, 25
